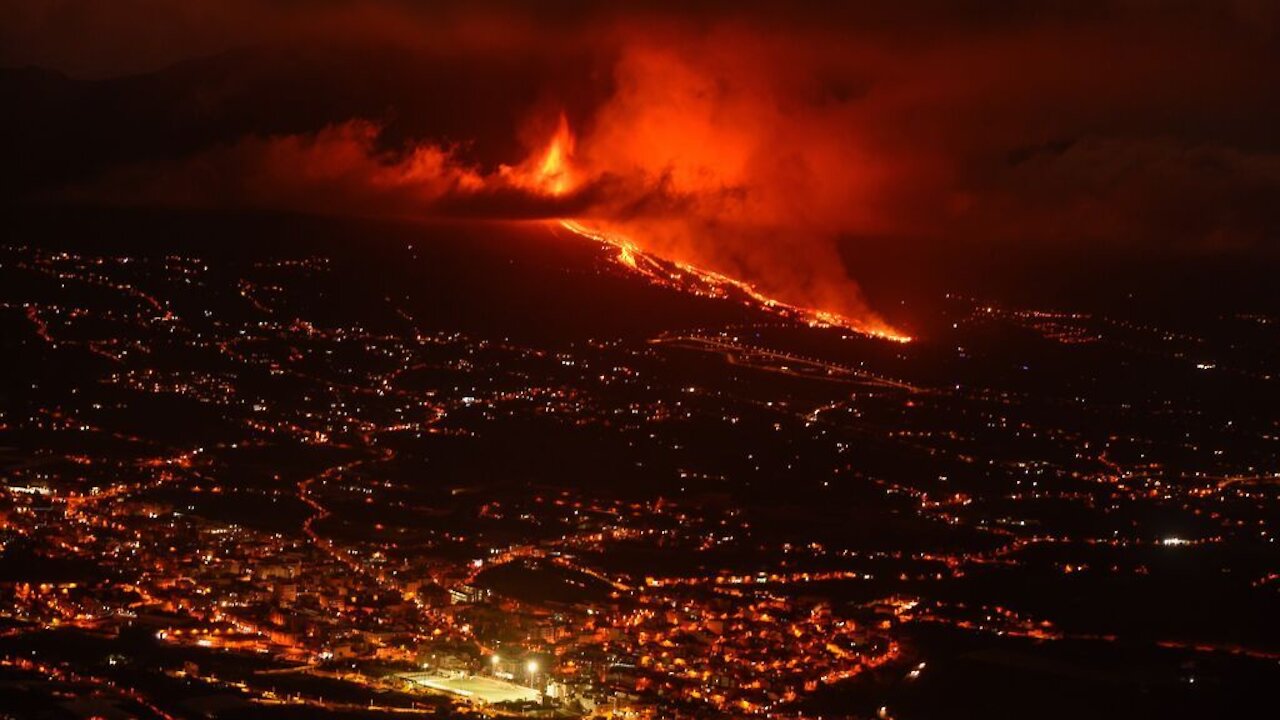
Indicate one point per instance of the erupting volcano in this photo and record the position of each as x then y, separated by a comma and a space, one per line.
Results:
551, 172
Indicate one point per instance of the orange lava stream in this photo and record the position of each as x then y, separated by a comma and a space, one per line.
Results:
699, 281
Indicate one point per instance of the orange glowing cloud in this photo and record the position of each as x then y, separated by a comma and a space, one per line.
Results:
339, 169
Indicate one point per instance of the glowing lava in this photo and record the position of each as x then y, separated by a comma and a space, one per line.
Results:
551, 172
708, 283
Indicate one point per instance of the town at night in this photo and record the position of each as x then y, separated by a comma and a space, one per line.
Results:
408, 359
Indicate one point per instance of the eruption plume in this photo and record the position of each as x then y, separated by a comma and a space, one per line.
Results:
704, 208
549, 171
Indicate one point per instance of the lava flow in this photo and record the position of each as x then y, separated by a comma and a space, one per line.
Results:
551, 172
708, 283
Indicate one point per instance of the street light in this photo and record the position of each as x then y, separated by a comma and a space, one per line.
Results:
532, 667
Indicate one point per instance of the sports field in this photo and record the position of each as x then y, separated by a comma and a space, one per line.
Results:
474, 687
